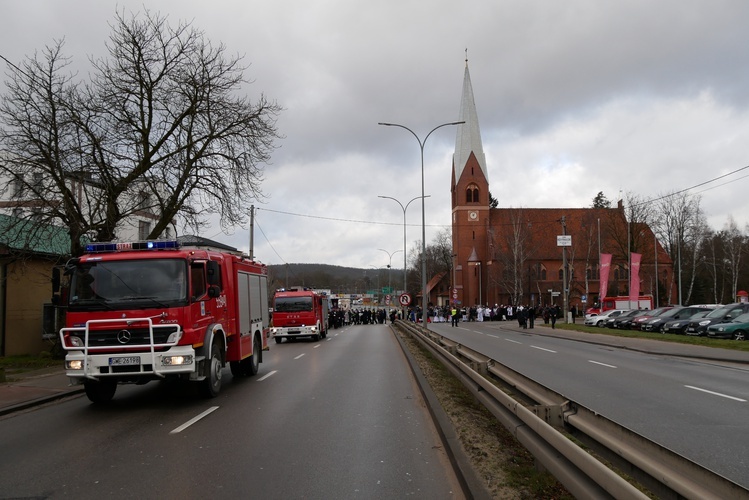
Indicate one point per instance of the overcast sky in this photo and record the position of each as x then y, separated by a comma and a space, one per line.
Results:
573, 97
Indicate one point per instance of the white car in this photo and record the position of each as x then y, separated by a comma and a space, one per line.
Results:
601, 319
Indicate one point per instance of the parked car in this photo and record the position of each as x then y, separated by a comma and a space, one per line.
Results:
737, 329
656, 323
624, 320
723, 314
679, 326
601, 319
638, 321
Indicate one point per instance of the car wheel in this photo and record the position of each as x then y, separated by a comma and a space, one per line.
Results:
739, 335
599, 324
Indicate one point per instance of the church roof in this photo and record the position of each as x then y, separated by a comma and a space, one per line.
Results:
468, 137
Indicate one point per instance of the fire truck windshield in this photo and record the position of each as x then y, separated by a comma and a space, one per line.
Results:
128, 284
293, 304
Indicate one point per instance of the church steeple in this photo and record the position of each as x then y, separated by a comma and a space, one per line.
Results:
468, 139
470, 204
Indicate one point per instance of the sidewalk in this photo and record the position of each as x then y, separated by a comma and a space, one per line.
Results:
36, 387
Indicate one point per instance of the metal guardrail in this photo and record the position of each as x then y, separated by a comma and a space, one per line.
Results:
538, 416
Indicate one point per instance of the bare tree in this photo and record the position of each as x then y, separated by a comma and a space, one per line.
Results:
734, 242
161, 126
679, 225
513, 253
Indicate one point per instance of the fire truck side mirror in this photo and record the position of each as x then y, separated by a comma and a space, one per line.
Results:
214, 273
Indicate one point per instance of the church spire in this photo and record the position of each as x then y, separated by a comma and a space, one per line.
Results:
468, 138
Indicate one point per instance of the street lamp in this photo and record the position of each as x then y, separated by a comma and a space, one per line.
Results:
390, 267
423, 213
405, 273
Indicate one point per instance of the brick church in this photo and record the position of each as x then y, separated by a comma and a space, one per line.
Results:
513, 255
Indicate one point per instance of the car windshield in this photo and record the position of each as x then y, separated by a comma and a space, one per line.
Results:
128, 283
700, 314
719, 313
670, 312
292, 304
742, 318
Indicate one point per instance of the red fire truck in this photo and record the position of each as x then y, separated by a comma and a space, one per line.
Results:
153, 310
299, 313
622, 302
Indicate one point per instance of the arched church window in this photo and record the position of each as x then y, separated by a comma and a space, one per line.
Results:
472, 194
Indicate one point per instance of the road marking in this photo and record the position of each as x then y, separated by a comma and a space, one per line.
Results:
602, 364
513, 341
299, 356
715, 393
474, 331
490, 335
193, 420
315, 347
542, 349
266, 376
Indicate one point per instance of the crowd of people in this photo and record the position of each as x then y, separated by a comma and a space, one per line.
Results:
359, 316
525, 315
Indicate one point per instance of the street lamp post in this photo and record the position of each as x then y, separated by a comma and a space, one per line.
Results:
404, 208
390, 261
423, 214
390, 270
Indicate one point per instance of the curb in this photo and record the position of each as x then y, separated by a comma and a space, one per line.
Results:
471, 484
39, 401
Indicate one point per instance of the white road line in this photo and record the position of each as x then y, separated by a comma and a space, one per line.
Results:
602, 364
193, 420
315, 347
266, 376
494, 336
542, 349
474, 331
513, 341
299, 356
715, 393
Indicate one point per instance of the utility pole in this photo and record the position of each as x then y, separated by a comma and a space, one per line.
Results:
564, 273
252, 232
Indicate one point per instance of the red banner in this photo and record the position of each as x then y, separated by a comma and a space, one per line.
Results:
603, 288
634, 279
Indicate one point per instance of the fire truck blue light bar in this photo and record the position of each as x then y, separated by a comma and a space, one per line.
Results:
132, 246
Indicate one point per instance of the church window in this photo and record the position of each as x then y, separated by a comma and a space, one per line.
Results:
472, 194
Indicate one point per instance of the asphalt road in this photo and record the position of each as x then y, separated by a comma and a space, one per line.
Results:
337, 418
697, 408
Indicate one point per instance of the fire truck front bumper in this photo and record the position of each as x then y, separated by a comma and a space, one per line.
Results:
295, 332
131, 365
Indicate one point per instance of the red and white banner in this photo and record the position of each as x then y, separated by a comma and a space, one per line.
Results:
634, 277
604, 278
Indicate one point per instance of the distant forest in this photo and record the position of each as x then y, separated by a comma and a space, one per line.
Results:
337, 279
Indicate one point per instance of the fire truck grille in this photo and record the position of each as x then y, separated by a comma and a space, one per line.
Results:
129, 336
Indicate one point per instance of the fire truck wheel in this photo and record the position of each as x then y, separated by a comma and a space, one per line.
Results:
212, 382
100, 392
278, 340
252, 364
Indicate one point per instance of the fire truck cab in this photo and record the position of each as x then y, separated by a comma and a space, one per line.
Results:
154, 310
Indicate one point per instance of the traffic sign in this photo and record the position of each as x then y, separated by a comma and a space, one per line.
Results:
404, 299
564, 240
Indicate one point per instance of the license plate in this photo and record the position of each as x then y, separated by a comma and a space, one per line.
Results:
130, 360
